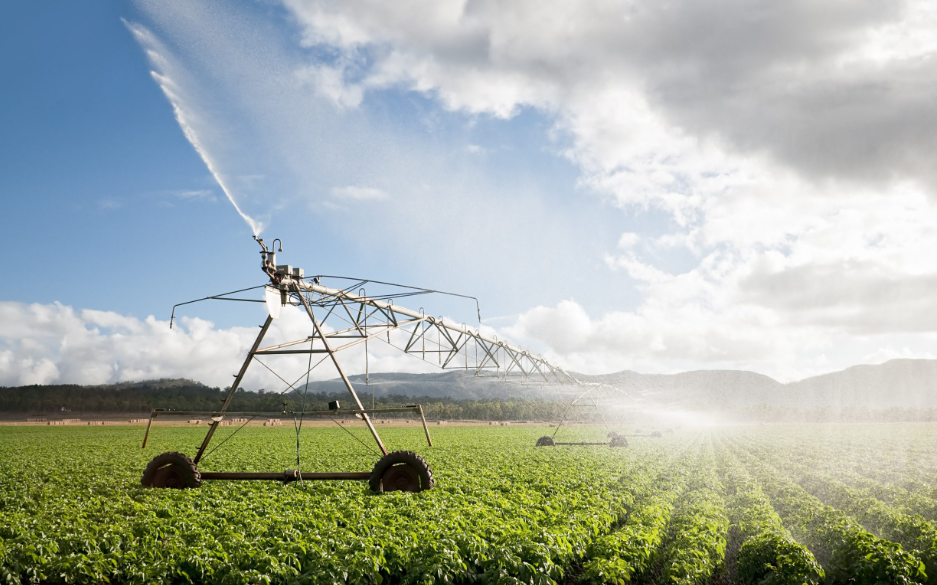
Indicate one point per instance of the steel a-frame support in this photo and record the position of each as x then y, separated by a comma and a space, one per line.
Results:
234, 387
318, 334
341, 372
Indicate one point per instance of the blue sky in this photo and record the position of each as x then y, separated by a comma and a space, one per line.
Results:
97, 170
616, 194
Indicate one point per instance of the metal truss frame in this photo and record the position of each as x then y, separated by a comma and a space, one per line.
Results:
362, 318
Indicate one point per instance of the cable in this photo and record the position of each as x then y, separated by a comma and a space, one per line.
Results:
226, 438
302, 413
353, 436
218, 297
416, 288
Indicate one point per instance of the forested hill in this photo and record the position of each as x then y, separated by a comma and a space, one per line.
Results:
900, 383
123, 397
67, 400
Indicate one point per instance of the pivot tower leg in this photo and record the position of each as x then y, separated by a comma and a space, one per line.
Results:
234, 387
351, 389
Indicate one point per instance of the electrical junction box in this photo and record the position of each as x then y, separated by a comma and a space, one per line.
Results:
334, 405
287, 270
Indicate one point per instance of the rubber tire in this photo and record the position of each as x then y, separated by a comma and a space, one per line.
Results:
545, 441
171, 470
404, 471
618, 441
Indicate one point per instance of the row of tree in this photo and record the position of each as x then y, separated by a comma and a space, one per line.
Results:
142, 397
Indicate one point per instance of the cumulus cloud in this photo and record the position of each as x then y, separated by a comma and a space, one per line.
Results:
358, 193
790, 144
56, 343
836, 89
330, 82
628, 240
833, 288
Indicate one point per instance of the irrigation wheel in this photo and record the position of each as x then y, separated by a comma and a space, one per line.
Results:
171, 470
545, 441
401, 471
618, 441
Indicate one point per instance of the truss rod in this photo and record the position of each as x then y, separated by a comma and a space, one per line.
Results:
450, 332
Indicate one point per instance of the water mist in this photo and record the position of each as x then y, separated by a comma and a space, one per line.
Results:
185, 118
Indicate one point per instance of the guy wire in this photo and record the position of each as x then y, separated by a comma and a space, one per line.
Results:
302, 413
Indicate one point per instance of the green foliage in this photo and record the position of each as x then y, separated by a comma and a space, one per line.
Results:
142, 397
767, 554
691, 508
620, 555
697, 531
848, 553
503, 511
773, 559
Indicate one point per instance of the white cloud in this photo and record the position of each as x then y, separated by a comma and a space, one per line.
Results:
628, 240
838, 284
45, 344
637, 269
195, 195
830, 89
359, 193
886, 353
789, 143
330, 83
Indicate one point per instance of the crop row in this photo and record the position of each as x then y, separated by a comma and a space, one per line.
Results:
697, 532
765, 550
889, 456
752, 507
847, 552
910, 530
503, 511
854, 466
620, 555
675, 533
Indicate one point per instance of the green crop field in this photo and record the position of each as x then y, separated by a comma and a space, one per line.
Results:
772, 505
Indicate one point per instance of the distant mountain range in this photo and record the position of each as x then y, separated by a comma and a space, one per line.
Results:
906, 385
901, 383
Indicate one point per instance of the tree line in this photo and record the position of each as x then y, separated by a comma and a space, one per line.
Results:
71, 400
141, 398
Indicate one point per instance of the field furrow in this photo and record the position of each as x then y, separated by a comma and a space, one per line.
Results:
910, 530
847, 552
696, 546
736, 505
627, 552
764, 551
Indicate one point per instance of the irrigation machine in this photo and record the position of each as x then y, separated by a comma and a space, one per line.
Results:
589, 397
341, 319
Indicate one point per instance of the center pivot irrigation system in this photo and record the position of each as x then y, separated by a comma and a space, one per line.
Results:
589, 398
341, 319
